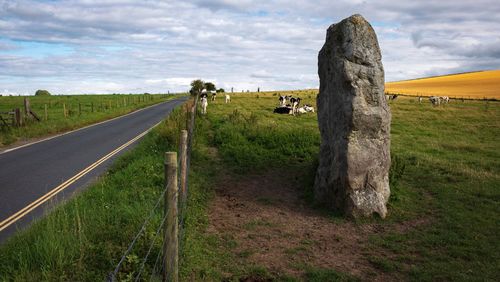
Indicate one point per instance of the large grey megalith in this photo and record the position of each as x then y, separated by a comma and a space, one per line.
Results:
354, 121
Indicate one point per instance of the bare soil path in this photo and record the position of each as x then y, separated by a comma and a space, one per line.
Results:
268, 224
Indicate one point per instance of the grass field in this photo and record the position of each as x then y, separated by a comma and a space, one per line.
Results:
473, 85
443, 211
81, 110
442, 222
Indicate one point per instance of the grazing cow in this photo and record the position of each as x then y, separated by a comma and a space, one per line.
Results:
445, 99
228, 98
435, 100
420, 100
204, 103
295, 103
214, 94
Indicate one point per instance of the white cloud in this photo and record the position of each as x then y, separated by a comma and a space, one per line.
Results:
155, 46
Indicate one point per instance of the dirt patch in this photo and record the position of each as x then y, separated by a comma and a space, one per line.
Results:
264, 221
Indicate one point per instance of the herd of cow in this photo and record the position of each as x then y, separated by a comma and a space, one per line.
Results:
290, 105
435, 100
204, 99
284, 107
292, 108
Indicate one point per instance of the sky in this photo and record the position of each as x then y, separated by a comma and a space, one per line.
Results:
138, 46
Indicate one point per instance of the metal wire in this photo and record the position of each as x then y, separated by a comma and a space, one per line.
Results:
156, 263
150, 248
143, 227
182, 209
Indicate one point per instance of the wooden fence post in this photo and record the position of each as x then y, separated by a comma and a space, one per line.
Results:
91, 107
46, 116
64, 110
192, 121
183, 174
170, 235
18, 117
26, 106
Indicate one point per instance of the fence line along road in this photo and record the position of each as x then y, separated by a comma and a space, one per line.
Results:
174, 195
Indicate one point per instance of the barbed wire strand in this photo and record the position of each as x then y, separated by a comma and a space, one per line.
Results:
151, 247
160, 252
182, 213
183, 204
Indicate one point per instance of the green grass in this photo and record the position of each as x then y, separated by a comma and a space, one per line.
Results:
82, 110
83, 239
445, 173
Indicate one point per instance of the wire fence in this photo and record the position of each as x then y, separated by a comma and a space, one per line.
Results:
174, 199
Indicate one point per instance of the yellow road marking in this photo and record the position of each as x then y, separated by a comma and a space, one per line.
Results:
33, 205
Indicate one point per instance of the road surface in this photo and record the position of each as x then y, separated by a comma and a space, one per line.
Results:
34, 177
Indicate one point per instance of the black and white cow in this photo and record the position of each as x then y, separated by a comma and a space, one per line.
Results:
283, 100
295, 104
435, 100
283, 110
204, 102
305, 109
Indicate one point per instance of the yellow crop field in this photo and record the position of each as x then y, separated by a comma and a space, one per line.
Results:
474, 85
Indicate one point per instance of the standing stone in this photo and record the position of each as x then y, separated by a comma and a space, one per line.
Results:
354, 121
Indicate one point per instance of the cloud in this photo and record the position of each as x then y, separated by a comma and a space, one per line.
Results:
83, 46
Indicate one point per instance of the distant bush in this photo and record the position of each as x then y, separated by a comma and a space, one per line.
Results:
42, 93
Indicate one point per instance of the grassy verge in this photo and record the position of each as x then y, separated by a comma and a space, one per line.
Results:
81, 110
83, 239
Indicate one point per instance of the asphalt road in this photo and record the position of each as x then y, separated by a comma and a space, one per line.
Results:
36, 177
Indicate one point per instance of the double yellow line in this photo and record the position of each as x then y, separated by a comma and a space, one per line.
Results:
18, 215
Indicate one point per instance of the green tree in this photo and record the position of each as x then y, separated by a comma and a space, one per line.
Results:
40, 92
210, 86
220, 90
197, 86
